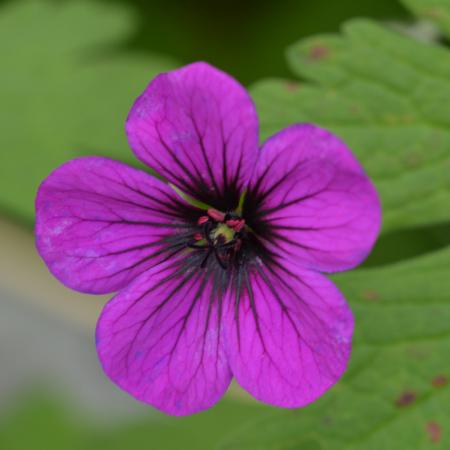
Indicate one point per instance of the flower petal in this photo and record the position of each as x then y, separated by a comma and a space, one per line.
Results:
159, 340
289, 338
198, 128
310, 197
100, 223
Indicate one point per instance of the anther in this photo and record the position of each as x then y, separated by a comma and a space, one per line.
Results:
202, 220
216, 215
236, 224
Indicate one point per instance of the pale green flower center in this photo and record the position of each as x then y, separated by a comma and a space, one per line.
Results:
223, 230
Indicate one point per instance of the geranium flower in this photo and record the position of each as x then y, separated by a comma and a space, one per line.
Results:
231, 289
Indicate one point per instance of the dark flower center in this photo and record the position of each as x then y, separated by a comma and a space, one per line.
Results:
222, 236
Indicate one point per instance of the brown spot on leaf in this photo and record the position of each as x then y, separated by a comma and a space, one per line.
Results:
371, 295
413, 160
318, 52
440, 380
434, 431
355, 109
291, 86
327, 421
418, 353
406, 398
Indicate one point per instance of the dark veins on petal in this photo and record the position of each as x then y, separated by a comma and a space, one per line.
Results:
226, 250
213, 254
257, 217
220, 191
172, 217
218, 251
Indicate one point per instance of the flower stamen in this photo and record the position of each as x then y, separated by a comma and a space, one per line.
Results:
202, 220
216, 215
221, 234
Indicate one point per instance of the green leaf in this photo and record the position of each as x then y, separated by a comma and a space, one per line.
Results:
395, 395
388, 97
65, 90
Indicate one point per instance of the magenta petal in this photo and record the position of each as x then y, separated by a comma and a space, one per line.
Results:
100, 223
314, 202
198, 128
289, 340
159, 340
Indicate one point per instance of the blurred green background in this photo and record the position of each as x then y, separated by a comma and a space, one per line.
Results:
70, 70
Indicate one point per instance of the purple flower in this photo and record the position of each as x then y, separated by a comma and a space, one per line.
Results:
233, 289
